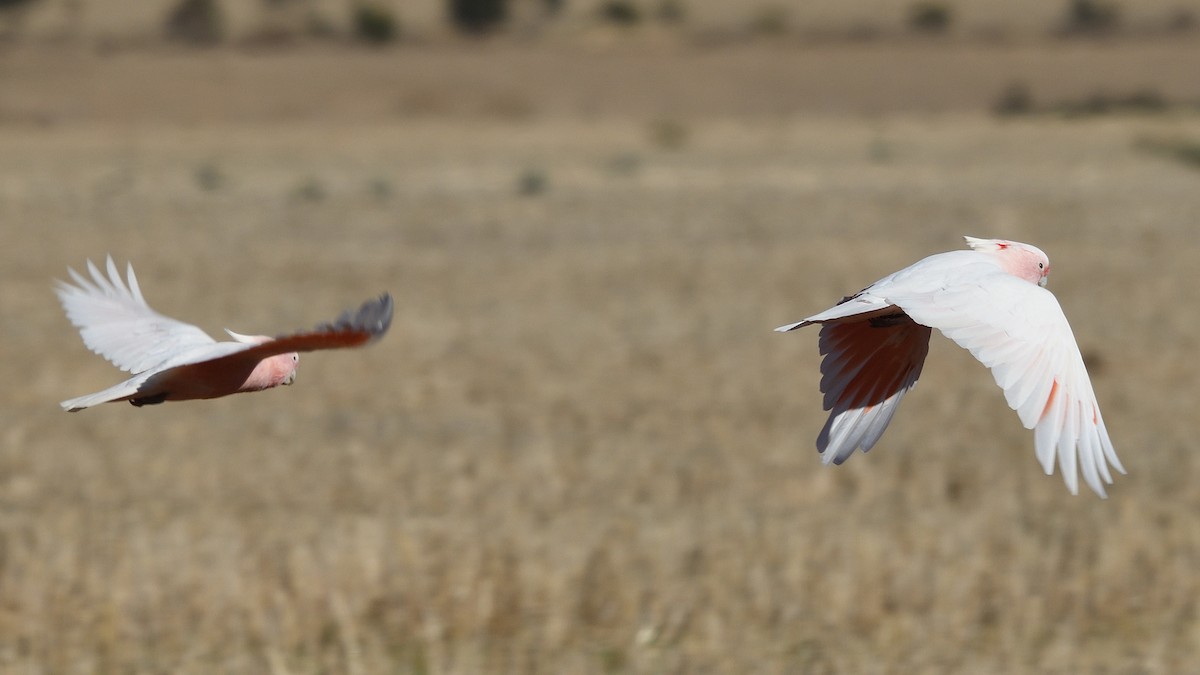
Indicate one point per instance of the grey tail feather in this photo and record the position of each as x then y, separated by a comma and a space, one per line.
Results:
374, 317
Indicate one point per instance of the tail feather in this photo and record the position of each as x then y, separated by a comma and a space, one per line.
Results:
117, 392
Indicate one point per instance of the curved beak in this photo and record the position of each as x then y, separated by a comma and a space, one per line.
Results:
290, 378
1041, 282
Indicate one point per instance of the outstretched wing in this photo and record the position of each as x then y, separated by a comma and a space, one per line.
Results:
116, 322
351, 329
1019, 331
869, 365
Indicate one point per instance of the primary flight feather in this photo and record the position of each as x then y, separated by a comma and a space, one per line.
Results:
992, 301
175, 361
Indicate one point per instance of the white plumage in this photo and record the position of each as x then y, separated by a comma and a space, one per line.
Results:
990, 300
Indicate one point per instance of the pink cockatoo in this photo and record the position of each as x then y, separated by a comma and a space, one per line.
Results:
175, 361
992, 301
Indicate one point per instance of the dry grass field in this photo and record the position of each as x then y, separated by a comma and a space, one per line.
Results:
581, 449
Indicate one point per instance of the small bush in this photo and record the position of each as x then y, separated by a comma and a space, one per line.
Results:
478, 16
375, 24
14, 7
929, 17
770, 20
879, 151
668, 134
1015, 99
209, 177
1183, 150
13, 13
1145, 101
380, 188
620, 12
197, 22
1091, 16
532, 182
310, 190
1181, 21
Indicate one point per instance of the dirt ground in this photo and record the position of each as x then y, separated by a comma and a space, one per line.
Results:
582, 449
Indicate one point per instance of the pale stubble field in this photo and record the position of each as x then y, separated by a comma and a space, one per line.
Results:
581, 449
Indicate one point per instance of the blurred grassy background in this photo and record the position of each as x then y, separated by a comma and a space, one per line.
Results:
581, 449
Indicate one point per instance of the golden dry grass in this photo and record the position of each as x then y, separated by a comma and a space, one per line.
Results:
581, 449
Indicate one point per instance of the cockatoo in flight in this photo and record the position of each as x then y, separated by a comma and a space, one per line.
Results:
992, 301
175, 361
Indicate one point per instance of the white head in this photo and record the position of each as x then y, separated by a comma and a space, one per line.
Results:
1020, 260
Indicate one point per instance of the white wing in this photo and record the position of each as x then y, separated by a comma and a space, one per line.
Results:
1019, 331
116, 322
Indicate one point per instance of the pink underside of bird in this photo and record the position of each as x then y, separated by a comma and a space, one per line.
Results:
174, 361
991, 300
226, 376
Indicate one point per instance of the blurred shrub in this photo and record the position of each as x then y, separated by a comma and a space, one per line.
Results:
310, 190
1182, 150
10, 5
380, 188
879, 151
1101, 103
1015, 99
15, 6
929, 17
668, 134
1091, 16
375, 24
769, 20
1181, 20
478, 16
209, 177
196, 22
620, 12
13, 13
532, 182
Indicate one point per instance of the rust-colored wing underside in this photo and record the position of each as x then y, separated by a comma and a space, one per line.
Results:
868, 367
366, 325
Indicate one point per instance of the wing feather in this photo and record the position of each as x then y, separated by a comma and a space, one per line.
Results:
116, 323
1019, 331
868, 368
367, 324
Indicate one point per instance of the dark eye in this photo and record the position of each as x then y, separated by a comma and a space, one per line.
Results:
1041, 266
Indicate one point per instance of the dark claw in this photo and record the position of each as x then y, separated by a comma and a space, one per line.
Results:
148, 400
